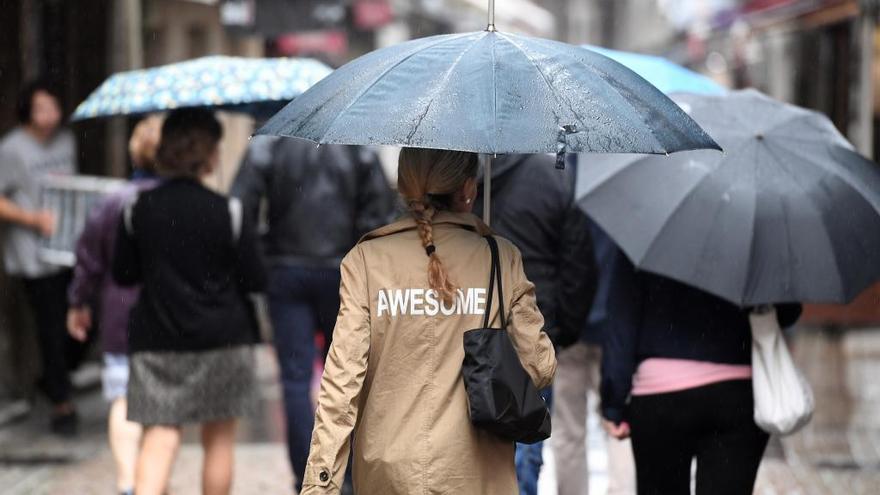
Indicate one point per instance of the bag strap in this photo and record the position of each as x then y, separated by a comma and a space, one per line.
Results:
494, 277
236, 217
128, 212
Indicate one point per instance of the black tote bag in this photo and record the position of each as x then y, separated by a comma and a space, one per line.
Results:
501, 396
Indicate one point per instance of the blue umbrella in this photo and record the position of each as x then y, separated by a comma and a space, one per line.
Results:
490, 92
251, 85
665, 75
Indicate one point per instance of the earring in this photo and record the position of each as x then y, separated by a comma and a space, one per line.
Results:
467, 201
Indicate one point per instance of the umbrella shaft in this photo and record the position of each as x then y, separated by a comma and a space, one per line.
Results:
491, 26
487, 188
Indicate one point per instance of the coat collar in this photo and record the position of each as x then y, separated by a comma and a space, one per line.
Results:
465, 220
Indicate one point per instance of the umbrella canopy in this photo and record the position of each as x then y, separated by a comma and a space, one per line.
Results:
667, 76
489, 92
251, 85
789, 213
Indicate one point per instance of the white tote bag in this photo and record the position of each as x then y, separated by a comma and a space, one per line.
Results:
783, 398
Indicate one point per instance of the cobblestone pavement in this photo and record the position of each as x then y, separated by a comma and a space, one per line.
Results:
838, 453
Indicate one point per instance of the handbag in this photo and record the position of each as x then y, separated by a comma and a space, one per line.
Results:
501, 396
783, 398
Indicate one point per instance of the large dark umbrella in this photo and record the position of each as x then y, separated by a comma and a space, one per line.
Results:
790, 212
490, 92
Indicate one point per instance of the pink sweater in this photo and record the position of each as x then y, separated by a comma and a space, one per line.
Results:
662, 375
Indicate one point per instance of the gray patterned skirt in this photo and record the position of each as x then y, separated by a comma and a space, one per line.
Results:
176, 388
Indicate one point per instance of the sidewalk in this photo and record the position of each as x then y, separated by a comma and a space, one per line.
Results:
32, 462
838, 454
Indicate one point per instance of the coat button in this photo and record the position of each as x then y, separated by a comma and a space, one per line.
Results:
324, 476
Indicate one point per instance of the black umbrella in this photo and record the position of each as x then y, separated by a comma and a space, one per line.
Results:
790, 212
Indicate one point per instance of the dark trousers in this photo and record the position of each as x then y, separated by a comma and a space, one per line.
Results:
713, 424
47, 297
302, 300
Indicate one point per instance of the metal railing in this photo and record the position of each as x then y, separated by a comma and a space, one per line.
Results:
71, 198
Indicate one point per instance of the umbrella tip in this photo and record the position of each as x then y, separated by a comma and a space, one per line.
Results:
759, 137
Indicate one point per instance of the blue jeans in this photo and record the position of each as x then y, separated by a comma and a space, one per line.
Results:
529, 458
302, 300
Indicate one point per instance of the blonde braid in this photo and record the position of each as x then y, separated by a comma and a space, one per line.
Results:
428, 179
438, 278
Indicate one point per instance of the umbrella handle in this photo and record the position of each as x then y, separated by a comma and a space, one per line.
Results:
491, 26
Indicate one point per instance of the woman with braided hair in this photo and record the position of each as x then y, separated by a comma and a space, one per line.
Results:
392, 391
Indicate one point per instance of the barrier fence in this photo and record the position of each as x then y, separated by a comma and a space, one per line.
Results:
71, 198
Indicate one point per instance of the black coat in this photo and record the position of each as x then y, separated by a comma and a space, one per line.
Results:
650, 316
178, 242
533, 206
320, 200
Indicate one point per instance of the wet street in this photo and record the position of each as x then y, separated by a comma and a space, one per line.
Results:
838, 453
33, 462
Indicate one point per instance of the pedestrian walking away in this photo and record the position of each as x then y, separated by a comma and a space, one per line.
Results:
37, 148
534, 208
392, 383
93, 285
192, 329
341, 194
683, 356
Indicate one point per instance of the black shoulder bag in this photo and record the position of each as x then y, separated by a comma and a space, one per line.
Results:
501, 396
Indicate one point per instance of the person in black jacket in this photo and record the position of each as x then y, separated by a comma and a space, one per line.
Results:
533, 206
192, 329
676, 375
318, 202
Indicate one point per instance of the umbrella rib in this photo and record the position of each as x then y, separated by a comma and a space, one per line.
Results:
675, 211
446, 77
794, 179
851, 177
718, 210
626, 100
494, 96
543, 76
749, 287
385, 72
807, 120
752, 241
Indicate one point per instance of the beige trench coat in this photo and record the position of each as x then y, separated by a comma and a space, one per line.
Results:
392, 381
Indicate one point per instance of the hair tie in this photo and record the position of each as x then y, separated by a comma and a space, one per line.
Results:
429, 249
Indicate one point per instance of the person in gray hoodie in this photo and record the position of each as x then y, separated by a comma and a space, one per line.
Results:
37, 148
